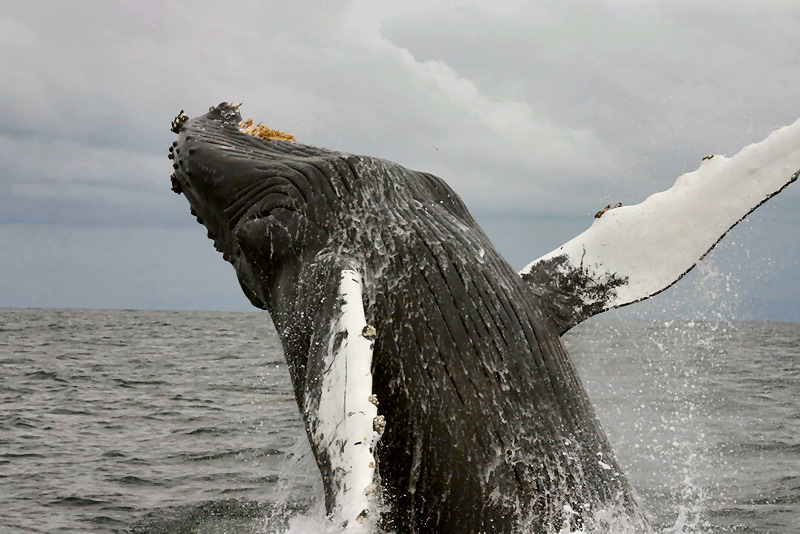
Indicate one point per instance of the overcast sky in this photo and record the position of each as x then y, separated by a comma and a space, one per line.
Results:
537, 113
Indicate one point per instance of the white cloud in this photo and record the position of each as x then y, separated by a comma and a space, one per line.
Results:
15, 35
543, 141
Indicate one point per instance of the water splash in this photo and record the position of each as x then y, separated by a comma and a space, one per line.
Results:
298, 479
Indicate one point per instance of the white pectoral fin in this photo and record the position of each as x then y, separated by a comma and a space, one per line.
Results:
347, 411
633, 252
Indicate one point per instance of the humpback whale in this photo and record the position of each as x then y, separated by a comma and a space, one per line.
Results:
431, 378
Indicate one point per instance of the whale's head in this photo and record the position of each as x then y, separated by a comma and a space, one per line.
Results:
273, 206
252, 189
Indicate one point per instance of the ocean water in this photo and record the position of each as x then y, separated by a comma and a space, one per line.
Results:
152, 421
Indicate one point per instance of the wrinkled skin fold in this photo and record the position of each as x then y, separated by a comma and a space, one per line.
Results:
488, 427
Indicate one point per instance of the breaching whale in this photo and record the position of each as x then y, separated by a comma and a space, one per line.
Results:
431, 378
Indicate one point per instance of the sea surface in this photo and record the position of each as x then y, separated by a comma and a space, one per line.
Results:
153, 421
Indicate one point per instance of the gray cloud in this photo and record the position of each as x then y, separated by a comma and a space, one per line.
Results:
536, 113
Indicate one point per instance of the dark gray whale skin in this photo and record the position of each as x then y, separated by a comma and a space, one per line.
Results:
488, 428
